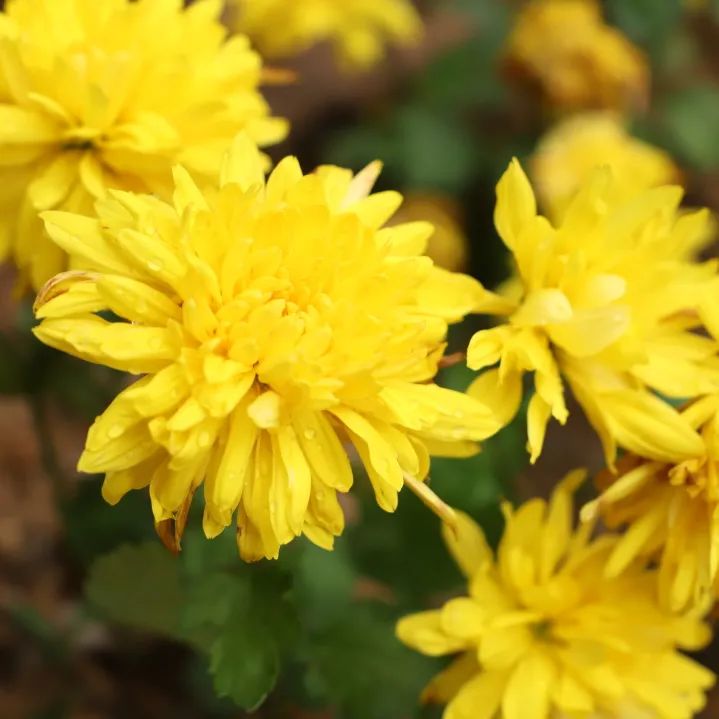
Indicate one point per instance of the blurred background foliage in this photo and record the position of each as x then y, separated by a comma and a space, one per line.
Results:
100, 621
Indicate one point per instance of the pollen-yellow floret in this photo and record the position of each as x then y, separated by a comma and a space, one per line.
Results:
576, 60
609, 301
98, 94
274, 321
671, 513
358, 29
567, 154
544, 633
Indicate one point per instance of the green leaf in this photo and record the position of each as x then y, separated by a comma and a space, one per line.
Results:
421, 148
469, 75
85, 514
245, 621
245, 662
437, 150
647, 22
323, 582
359, 664
138, 585
688, 122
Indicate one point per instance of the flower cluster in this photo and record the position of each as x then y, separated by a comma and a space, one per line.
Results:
274, 321
579, 311
284, 325
575, 59
546, 632
358, 29
671, 510
98, 94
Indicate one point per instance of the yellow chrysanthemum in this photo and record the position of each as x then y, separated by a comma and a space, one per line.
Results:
570, 151
671, 510
448, 246
575, 59
359, 29
113, 93
607, 301
273, 322
545, 634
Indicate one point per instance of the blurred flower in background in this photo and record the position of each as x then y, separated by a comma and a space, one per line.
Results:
545, 633
448, 246
574, 58
359, 30
568, 154
113, 94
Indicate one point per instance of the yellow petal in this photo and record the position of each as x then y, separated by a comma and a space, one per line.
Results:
125, 347
423, 632
480, 698
242, 164
265, 410
502, 396
82, 238
644, 424
323, 450
299, 478
376, 210
538, 415
526, 695
223, 487
137, 301
486, 347
516, 205
186, 194
467, 544
446, 685
79, 298
543, 307
450, 295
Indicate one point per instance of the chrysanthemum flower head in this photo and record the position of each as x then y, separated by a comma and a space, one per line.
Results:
113, 93
358, 29
273, 321
570, 151
670, 511
544, 633
607, 301
576, 60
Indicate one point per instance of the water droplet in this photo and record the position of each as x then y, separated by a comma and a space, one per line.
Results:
310, 434
154, 265
117, 430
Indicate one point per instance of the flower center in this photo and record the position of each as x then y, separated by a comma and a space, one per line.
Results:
542, 630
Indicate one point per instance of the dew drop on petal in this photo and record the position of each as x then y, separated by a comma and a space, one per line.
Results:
117, 430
